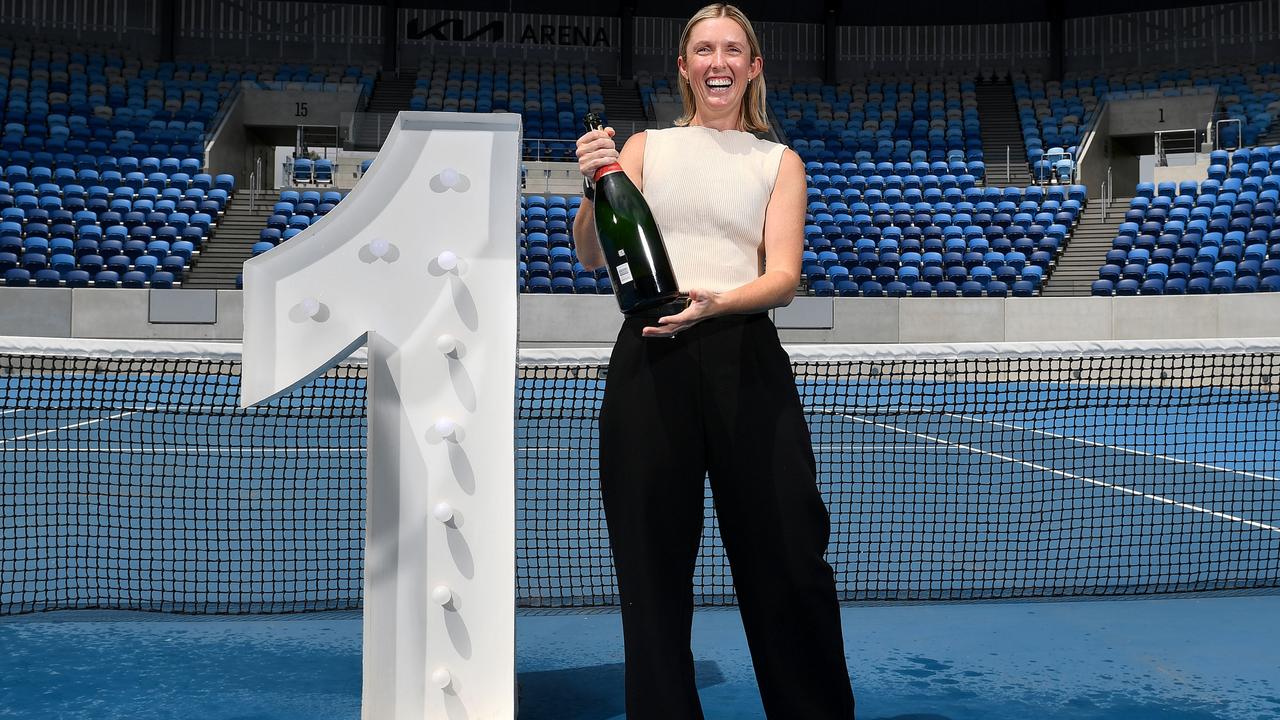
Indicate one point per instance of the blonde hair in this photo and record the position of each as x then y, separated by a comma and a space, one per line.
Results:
754, 117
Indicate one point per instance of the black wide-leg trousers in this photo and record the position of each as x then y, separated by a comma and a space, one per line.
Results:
718, 400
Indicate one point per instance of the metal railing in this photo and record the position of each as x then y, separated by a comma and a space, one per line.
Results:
319, 139
1107, 195
1008, 164
1217, 133
1175, 142
255, 184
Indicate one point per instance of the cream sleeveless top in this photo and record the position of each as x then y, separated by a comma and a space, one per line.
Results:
708, 190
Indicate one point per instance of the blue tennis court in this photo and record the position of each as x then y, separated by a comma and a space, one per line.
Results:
152, 491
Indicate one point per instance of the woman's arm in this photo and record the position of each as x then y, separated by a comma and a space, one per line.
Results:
594, 152
783, 245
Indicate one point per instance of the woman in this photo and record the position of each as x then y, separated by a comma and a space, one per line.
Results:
707, 389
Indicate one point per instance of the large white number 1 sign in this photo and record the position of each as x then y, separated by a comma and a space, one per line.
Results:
418, 262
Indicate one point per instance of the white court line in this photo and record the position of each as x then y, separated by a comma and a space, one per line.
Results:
189, 450
72, 426
1121, 448
1072, 476
917, 446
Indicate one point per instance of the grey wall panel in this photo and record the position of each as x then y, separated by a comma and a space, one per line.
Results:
35, 312
1057, 318
1144, 116
578, 320
951, 320
1149, 317
1248, 315
558, 320
289, 108
123, 313
856, 320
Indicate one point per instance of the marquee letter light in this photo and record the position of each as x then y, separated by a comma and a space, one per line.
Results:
417, 262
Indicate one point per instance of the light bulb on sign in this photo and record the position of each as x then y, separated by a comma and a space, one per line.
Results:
442, 595
447, 344
448, 261
449, 177
446, 428
311, 307
441, 678
379, 247
443, 512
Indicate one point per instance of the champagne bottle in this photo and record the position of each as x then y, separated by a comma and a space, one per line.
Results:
638, 263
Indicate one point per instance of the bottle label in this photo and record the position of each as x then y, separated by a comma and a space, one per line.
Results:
624, 273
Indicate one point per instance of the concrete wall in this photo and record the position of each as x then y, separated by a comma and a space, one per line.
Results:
120, 313
550, 320
290, 108
1095, 157
1188, 166
1144, 116
229, 151
560, 320
553, 320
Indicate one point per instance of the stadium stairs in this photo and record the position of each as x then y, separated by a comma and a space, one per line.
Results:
224, 254
624, 109
1086, 251
391, 94
998, 114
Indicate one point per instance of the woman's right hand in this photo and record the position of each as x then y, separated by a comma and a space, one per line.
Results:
596, 150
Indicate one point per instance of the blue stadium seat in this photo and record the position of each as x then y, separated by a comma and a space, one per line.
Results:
76, 278
17, 277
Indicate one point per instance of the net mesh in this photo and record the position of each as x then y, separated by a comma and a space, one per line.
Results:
135, 482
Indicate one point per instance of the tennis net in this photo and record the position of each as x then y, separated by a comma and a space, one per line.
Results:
130, 479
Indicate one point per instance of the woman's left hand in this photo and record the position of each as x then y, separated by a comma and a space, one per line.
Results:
702, 305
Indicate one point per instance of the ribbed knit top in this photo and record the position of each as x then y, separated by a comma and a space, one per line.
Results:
708, 190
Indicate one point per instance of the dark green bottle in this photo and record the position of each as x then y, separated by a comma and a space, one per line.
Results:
638, 263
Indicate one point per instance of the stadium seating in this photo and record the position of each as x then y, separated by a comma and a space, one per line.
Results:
1222, 231
1055, 114
886, 125
552, 97
130, 224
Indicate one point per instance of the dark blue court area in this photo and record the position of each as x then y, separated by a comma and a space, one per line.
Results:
1148, 659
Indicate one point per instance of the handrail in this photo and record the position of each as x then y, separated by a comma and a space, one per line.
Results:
1167, 141
1108, 194
255, 184
1008, 165
1217, 133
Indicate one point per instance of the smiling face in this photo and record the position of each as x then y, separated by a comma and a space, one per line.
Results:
717, 64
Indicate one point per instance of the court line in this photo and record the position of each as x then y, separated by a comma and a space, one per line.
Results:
72, 426
549, 449
180, 450
1121, 448
1071, 476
